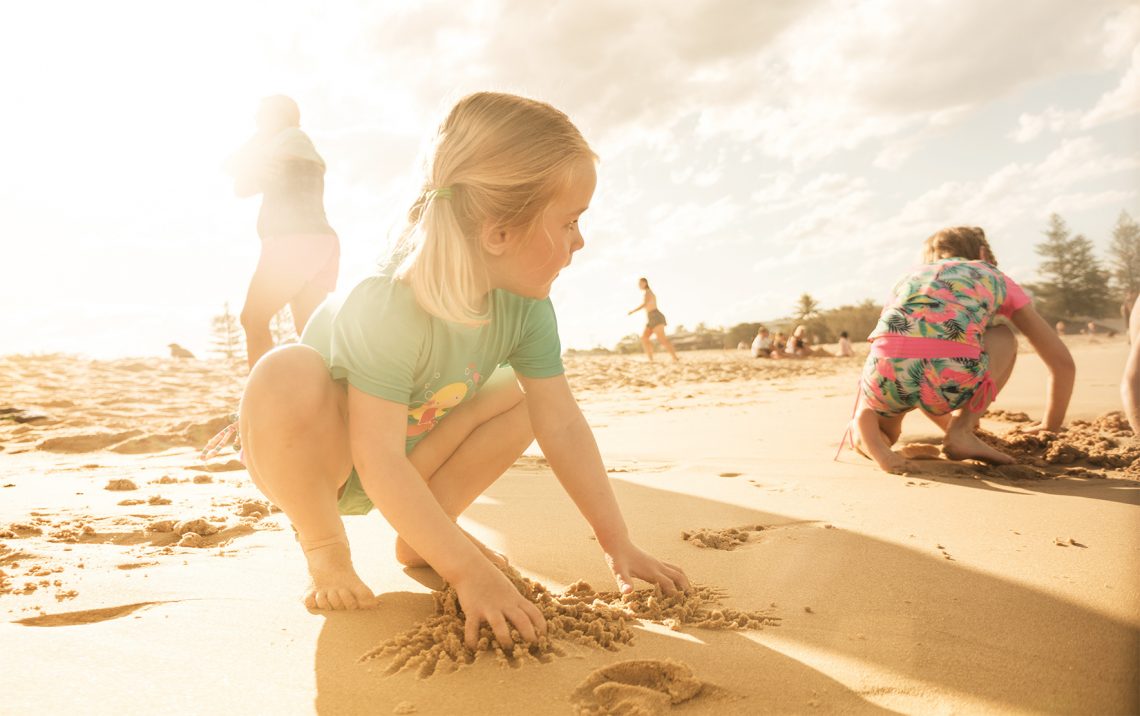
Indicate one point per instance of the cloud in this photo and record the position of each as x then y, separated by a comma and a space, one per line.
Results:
1031, 126
1121, 102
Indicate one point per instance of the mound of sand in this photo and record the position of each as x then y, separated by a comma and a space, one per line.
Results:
1105, 442
579, 616
726, 539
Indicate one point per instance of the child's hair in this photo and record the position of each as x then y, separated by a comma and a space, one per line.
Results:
643, 280
843, 334
966, 242
498, 161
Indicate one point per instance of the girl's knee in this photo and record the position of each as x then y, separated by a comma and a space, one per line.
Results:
289, 382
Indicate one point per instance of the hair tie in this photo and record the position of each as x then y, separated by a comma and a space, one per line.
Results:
443, 192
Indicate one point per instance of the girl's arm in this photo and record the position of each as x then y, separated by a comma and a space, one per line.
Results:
568, 444
376, 435
1130, 382
644, 303
1062, 370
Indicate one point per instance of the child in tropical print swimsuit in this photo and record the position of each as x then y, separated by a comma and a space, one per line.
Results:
937, 347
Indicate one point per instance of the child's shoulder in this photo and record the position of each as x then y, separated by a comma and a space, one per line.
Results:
382, 294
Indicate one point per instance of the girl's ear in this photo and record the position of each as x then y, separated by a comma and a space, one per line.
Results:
495, 240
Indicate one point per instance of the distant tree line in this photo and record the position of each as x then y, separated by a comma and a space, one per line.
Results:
1074, 284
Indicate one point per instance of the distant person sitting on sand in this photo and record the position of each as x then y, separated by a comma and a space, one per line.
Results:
395, 398
1060, 328
798, 344
762, 343
779, 341
654, 323
936, 348
845, 348
1130, 383
300, 252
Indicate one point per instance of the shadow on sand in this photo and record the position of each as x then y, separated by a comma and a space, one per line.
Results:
895, 610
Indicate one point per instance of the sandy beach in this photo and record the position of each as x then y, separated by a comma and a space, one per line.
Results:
134, 577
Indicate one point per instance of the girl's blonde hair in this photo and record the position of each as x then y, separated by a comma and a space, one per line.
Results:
498, 161
967, 242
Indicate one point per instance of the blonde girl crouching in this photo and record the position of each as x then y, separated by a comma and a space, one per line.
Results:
395, 398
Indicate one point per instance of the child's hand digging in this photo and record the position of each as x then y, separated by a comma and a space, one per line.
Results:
630, 562
488, 596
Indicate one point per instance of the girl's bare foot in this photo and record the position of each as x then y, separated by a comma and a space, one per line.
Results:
408, 557
966, 446
335, 582
891, 462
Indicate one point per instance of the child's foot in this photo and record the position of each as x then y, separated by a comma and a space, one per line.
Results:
335, 583
408, 557
967, 446
892, 463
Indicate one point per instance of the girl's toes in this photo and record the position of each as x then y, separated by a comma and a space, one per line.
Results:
347, 599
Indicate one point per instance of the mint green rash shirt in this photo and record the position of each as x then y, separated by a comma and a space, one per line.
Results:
380, 341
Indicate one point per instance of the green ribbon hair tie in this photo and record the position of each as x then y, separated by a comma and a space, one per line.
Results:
443, 192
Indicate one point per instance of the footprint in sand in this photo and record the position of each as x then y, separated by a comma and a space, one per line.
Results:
731, 474
640, 686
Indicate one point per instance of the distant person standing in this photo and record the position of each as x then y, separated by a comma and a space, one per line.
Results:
655, 322
300, 252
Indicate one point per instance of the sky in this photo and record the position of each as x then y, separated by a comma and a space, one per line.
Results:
750, 152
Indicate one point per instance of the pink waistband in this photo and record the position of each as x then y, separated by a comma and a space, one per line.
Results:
924, 348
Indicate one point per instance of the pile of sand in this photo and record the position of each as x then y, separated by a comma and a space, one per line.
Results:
1106, 442
726, 539
579, 616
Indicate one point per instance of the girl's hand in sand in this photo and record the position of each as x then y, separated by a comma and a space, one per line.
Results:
631, 562
488, 596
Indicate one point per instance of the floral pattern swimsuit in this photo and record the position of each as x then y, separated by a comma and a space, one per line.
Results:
927, 349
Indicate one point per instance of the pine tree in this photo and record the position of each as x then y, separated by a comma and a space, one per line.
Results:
228, 341
1125, 256
1074, 284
